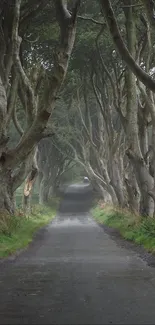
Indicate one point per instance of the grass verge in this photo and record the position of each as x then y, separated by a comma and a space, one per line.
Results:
134, 228
17, 232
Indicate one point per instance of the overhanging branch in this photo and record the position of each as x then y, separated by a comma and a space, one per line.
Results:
121, 47
92, 20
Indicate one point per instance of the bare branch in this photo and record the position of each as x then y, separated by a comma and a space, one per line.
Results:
117, 106
148, 101
92, 20
16, 122
31, 178
16, 40
145, 78
75, 10
35, 132
21, 173
149, 6
12, 98
82, 120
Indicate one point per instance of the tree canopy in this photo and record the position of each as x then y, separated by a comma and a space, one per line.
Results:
77, 89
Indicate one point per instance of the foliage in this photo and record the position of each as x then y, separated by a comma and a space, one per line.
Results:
132, 227
18, 231
101, 120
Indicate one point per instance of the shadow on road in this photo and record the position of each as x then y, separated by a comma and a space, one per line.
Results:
76, 199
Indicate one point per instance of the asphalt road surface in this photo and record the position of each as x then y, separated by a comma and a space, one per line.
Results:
74, 273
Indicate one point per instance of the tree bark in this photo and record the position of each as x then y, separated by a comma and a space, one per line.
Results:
118, 182
132, 190
134, 153
13, 162
7, 200
29, 185
43, 191
124, 52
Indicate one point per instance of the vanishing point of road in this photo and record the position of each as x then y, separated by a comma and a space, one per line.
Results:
75, 273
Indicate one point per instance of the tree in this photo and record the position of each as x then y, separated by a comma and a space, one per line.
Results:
137, 145
52, 163
36, 89
120, 45
104, 119
122, 103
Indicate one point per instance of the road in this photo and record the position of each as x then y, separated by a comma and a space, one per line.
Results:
75, 273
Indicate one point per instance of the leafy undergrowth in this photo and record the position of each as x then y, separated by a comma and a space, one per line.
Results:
132, 227
16, 232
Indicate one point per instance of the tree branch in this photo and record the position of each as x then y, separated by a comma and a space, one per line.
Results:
67, 35
16, 122
149, 7
32, 12
92, 20
82, 120
16, 40
12, 98
121, 47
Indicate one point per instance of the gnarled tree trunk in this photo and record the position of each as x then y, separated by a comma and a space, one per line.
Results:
29, 185
7, 199
40, 101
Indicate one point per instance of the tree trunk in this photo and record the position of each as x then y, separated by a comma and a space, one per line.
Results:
105, 183
7, 200
43, 191
132, 191
29, 185
50, 192
134, 153
27, 203
118, 181
145, 183
153, 145
144, 141
125, 52
104, 195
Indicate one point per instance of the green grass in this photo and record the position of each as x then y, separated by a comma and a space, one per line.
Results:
17, 232
135, 228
